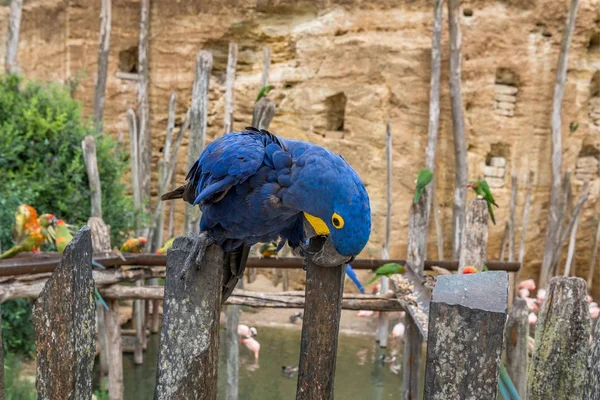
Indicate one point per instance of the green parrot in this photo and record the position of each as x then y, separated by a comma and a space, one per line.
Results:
482, 189
263, 92
47, 222
387, 270
268, 250
423, 179
168, 244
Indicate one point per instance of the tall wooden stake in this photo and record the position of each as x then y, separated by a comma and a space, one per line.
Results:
229, 85
198, 119
525, 222
516, 337
264, 81
103, 51
12, 44
233, 351
552, 230
590, 278
458, 127
511, 236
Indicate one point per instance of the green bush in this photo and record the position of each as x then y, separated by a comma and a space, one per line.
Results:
16, 387
17, 328
41, 160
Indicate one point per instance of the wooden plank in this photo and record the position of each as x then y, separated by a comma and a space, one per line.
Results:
473, 250
102, 71
320, 328
229, 86
466, 322
516, 337
198, 125
189, 341
592, 387
12, 43
115, 351
458, 128
64, 319
559, 361
553, 228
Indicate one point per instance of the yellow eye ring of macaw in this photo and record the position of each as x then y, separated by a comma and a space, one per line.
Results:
337, 221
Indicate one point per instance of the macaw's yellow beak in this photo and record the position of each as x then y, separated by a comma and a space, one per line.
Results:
318, 224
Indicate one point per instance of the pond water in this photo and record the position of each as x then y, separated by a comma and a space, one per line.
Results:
358, 375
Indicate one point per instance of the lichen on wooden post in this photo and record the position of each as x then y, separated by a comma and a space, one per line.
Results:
559, 362
592, 387
189, 340
466, 321
473, 250
320, 328
65, 325
516, 337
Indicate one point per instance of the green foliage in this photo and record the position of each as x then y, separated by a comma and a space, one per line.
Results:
17, 327
101, 394
41, 159
16, 387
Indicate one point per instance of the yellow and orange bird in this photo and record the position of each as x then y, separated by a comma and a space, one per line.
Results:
268, 250
27, 233
166, 246
47, 223
134, 245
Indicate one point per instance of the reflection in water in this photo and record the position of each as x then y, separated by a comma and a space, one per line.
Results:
361, 372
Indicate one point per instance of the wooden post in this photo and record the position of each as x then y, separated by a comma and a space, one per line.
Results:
466, 322
565, 205
233, 351
592, 387
188, 355
134, 156
514, 187
516, 338
504, 243
559, 362
103, 51
264, 111
524, 224
198, 118
12, 43
473, 250
264, 80
458, 128
439, 230
383, 322
140, 328
320, 327
552, 230
229, 85
102, 344
65, 325
590, 278
571, 251
2, 389
115, 355
173, 183
144, 134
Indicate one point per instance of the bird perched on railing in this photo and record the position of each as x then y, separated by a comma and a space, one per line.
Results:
253, 186
168, 244
27, 232
134, 245
483, 191
268, 250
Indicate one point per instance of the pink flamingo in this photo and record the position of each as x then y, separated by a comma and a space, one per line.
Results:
245, 331
532, 318
252, 345
594, 310
398, 332
528, 284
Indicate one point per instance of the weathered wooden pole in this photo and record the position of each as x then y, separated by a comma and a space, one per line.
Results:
198, 124
553, 228
592, 387
103, 51
473, 250
264, 80
525, 223
233, 352
559, 361
115, 351
229, 86
466, 321
590, 278
2, 386
320, 328
188, 355
12, 43
140, 328
571, 252
514, 187
144, 133
458, 128
65, 325
516, 336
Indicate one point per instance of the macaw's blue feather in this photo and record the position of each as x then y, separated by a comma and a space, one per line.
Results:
352, 275
253, 186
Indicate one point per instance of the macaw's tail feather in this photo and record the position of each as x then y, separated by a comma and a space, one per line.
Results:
174, 194
235, 264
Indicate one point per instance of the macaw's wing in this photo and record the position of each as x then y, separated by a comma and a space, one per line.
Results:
224, 163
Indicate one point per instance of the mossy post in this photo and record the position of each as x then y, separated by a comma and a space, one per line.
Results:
516, 336
473, 248
188, 355
466, 323
592, 387
64, 318
559, 362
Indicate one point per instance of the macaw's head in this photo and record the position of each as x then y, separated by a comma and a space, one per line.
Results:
335, 202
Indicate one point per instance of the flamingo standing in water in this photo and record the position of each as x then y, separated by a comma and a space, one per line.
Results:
245, 331
252, 345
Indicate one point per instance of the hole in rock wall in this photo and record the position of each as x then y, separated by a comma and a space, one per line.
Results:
335, 112
495, 165
505, 92
128, 60
588, 163
467, 12
594, 104
594, 43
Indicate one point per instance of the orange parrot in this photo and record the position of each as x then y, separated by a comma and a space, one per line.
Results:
27, 232
134, 245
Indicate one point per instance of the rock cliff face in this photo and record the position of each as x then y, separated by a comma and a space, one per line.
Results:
341, 69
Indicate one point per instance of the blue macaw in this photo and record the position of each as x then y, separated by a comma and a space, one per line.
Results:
253, 186
352, 275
